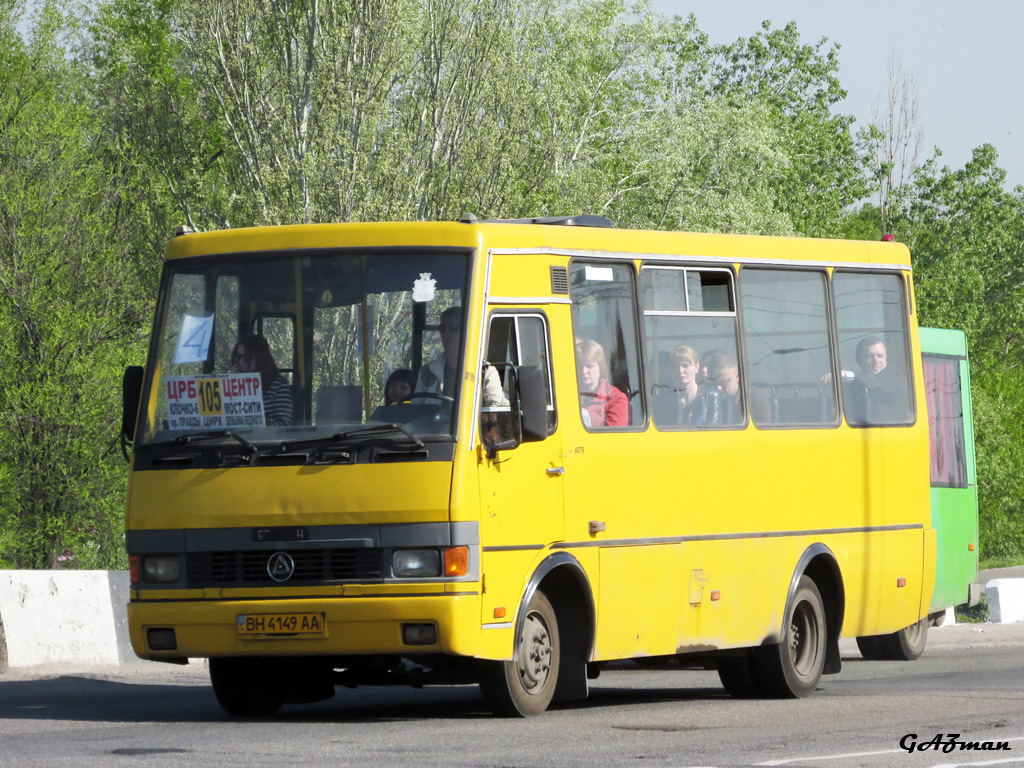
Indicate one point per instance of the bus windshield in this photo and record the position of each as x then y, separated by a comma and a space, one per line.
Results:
306, 345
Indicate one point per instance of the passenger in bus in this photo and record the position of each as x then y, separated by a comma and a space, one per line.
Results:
252, 355
877, 394
687, 367
707, 408
885, 389
724, 374
684, 405
705, 360
399, 386
601, 404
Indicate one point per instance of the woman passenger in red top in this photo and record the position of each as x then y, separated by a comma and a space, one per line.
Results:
601, 404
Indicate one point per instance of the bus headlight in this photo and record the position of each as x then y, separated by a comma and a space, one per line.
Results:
161, 569
416, 563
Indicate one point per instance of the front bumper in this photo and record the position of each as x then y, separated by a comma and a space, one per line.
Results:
362, 625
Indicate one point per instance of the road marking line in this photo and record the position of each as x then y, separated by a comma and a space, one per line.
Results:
894, 752
832, 757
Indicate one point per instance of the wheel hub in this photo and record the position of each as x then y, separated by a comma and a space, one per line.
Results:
534, 658
803, 648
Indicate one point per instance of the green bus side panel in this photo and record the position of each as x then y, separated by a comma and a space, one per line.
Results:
956, 527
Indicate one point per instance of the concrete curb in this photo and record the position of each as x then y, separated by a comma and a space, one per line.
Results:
1005, 600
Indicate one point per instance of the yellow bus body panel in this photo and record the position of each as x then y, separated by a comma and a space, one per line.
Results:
308, 495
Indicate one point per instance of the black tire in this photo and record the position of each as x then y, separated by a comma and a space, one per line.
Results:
870, 648
793, 668
525, 686
906, 645
250, 687
739, 676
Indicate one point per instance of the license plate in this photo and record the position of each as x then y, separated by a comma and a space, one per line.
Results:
282, 624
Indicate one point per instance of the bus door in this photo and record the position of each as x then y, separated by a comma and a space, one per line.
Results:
521, 509
953, 480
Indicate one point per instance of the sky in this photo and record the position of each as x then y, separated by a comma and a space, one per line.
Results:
967, 57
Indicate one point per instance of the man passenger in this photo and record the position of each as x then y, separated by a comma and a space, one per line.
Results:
723, 372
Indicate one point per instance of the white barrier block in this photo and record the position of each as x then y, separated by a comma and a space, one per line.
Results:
1005, 600
55, 617
119, 593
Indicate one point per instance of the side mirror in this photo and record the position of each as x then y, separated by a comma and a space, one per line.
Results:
524, 419
501, 426
131, 394
533, 403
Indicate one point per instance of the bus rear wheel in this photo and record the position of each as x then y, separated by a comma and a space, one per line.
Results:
793, 668
525, 686
249, 687
906, 645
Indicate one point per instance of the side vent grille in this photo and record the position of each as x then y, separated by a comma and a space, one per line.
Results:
560, 281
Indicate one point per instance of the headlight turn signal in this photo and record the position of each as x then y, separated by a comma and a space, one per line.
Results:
456, 561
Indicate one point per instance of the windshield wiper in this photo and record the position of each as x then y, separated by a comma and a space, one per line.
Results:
200, 437
341, 437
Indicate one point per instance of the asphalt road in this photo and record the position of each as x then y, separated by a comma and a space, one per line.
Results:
1013, 572
970, 682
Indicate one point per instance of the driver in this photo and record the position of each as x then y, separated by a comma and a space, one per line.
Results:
439, 376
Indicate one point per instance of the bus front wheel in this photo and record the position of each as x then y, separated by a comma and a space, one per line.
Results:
248, 687
525, 686
793, 668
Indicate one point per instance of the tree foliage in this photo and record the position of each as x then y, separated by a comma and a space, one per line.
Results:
799, 84
122, 118
967, 235
68, 309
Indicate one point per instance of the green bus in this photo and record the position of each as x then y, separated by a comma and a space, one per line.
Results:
954, 492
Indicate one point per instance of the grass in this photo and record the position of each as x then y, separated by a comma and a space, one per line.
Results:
977, 614
1006, 561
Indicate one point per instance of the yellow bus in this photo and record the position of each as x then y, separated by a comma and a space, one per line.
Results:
509, 452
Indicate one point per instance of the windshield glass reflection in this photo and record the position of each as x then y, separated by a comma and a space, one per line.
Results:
279, 347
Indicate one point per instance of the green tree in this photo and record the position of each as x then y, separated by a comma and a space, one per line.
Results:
799, 84
966, 232
162, 112
629, 136
67, 321
280, 111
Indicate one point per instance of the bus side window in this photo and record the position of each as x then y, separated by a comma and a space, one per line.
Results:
690, 335
871, 324
607, 351
786, 343
945, 421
